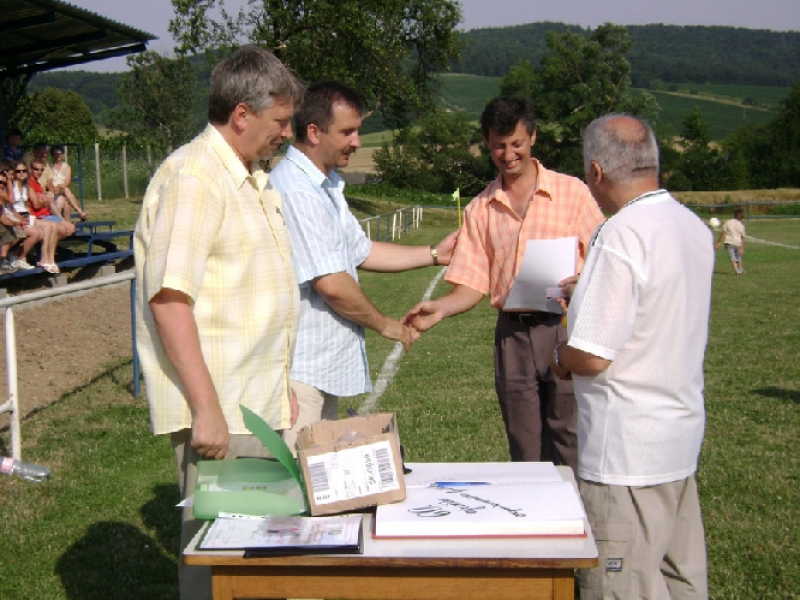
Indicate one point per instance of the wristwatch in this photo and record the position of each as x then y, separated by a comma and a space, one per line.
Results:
435, 256
555, 357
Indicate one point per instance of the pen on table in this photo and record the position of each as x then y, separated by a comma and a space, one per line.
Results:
443, 484
289, 530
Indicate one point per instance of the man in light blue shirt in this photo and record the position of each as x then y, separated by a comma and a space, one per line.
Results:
330, 357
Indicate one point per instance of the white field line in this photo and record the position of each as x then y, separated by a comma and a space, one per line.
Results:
392, 363
747, 237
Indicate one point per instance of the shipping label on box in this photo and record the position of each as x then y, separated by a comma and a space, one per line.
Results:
348, 474
351, 464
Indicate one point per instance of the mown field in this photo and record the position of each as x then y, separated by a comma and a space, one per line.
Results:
107, 520
720, 105
763, 96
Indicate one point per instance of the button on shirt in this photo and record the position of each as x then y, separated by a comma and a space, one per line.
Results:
214, 231
492, 243
330, 354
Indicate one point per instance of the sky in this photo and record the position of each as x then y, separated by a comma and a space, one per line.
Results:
153, 16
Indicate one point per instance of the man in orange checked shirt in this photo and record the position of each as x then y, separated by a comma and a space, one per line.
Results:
525, 202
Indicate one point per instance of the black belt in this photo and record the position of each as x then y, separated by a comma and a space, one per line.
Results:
531, 319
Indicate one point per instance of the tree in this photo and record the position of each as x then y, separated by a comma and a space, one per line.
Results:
55, 116
388, 50
520, 79
578, 80
437, 154
702, 164
155, 99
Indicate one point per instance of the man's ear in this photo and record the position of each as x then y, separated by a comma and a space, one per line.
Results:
238, 117
595, 173
313, 134
533, 137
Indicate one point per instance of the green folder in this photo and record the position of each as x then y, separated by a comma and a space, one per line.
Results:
251, 486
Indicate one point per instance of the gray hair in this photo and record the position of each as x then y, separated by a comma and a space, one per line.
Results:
624, 153
252, 76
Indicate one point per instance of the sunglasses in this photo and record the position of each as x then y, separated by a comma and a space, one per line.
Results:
20, 170
37, 169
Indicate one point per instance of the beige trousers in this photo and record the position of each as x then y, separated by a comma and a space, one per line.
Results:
195, 582
314, 405
650, 542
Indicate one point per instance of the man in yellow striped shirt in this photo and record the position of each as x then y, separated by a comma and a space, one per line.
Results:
217, 298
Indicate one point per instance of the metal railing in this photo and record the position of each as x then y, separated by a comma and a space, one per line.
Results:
12, 404
391, 226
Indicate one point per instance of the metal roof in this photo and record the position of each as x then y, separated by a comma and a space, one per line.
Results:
39, 35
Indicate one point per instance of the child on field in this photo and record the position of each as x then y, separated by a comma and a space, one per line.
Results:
733, 236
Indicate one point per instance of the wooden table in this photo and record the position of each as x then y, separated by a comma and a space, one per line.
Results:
418, 569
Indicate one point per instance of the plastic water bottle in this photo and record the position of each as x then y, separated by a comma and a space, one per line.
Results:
28, 471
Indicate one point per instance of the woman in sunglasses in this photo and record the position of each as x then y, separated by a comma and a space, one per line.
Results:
26, 237
20, 194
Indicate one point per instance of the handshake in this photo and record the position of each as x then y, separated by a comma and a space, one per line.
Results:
418, 320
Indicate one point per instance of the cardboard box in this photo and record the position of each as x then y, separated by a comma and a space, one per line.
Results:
351, 464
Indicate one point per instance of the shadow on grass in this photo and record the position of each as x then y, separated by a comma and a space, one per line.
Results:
779, 394
116, 560
160, 515
110, 372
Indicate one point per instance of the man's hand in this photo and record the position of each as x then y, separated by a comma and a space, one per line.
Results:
400, 332
210, 433
445, 248
424, 315
567, 287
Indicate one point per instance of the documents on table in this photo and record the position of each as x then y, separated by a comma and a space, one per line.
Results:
514, 509
275, 535
428, 474
483, 500
544, 264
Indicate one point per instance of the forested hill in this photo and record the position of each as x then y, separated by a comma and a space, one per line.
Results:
669, 53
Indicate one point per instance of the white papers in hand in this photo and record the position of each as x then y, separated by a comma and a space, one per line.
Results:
545, 263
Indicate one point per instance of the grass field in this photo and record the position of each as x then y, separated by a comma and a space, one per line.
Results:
471, 92
723, 119
468, 93
764, 96
107, 520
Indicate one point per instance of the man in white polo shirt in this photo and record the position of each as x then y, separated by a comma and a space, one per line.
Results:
638, 325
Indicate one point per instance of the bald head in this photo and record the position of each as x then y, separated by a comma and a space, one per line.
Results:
623, 146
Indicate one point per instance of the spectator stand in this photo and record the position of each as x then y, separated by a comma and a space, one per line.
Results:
94, 244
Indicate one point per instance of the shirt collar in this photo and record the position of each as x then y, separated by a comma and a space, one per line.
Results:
544, 183
233, 163
317, 177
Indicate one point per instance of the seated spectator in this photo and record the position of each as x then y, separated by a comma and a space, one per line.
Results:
43, 206
58, 184
17, 209
25, 236
7, 235
11, 150
39, 152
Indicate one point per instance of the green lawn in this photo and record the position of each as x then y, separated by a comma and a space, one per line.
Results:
723, 119
763, 96
107, 520
468, 93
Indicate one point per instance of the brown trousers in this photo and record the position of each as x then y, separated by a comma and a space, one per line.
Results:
539, 410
